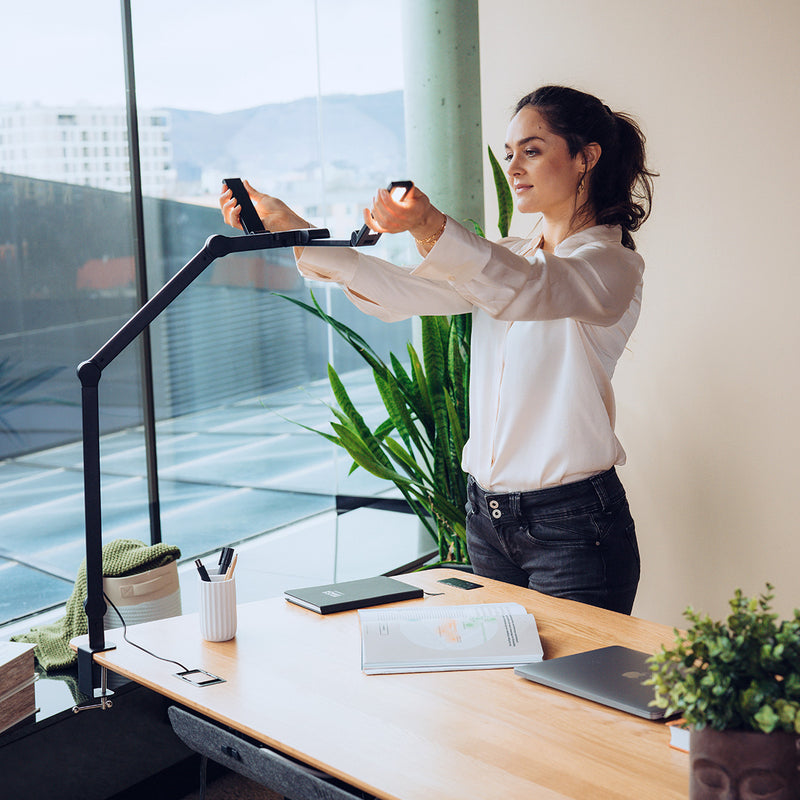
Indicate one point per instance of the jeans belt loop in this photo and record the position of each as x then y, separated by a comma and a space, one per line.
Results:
599, 484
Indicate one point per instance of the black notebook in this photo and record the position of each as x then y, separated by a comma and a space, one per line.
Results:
611, 675
343, 596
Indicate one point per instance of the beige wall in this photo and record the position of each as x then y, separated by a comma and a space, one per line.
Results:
708, 393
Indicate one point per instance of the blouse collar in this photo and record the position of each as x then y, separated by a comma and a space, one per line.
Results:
597, 233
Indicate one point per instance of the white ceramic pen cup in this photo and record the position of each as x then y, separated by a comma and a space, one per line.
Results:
218, 608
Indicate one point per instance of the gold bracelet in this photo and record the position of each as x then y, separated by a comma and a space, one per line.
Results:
430, 241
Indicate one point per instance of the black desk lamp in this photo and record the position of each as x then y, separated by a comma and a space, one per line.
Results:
89, 374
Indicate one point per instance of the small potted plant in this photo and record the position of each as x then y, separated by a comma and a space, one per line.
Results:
737, 685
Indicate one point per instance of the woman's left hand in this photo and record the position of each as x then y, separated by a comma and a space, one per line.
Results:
414, 213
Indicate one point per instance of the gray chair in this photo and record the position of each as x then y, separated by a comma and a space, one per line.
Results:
278, 772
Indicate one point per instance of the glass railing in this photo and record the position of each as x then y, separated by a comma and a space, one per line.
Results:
235, 367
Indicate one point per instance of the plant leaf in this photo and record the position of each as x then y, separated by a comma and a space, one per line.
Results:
359, 426
505, 202
476, 227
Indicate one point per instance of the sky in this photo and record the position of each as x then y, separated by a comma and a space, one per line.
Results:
205, 55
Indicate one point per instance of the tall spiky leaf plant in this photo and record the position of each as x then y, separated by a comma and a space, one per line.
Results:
418, 447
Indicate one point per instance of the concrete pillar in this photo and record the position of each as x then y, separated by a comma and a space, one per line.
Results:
443, 104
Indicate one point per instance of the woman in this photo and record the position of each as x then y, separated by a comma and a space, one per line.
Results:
551, 317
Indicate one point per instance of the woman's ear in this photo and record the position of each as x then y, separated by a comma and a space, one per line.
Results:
591, 155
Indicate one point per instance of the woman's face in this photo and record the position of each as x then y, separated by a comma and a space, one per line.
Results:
544, 177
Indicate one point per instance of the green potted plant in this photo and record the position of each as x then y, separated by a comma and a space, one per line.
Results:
736, 683
418, 447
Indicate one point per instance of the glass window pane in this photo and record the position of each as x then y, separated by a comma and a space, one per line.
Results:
304, 99
66, 281
280, 97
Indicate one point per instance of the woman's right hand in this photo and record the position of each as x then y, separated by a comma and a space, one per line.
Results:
274, 213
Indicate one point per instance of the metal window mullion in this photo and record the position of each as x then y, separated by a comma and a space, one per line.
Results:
140, 270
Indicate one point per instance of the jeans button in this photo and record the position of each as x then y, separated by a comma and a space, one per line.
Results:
494, 504
496, 513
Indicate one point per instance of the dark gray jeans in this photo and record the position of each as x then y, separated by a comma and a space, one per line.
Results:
576, 541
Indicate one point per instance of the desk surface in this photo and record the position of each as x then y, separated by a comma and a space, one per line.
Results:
294, 682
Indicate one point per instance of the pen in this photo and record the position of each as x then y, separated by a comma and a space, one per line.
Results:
225, 559
202, 570
229, 574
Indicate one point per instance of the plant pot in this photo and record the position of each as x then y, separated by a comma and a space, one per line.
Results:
738, 764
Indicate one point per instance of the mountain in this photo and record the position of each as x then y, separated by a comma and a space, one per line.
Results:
364, 134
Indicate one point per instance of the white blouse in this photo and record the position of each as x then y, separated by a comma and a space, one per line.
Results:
548, 330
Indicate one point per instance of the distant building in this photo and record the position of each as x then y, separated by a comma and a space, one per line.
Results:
87, 146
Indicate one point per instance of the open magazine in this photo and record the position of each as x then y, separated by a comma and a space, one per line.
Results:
434, 638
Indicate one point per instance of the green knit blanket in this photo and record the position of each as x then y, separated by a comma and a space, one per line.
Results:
120, 557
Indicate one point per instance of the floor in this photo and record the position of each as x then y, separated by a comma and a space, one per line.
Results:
246, 474
235, 787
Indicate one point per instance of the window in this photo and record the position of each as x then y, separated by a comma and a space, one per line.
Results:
231, 360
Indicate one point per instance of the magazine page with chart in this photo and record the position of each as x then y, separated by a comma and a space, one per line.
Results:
435, 638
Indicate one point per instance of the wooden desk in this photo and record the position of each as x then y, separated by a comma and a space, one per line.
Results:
294, 682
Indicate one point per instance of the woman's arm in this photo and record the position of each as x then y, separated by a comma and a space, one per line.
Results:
375, 286
595, 283
378, 287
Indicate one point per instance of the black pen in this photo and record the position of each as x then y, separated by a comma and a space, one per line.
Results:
202, 570
225, 559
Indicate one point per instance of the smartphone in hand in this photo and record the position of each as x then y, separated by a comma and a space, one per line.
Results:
398, 190
248, 217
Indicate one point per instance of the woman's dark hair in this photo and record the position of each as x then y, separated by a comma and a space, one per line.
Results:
620, 186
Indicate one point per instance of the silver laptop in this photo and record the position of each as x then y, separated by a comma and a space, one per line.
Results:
611, 675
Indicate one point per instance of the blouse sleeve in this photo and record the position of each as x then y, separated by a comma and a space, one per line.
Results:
380, 288
595, 283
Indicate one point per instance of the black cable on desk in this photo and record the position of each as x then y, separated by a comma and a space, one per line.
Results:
138, 646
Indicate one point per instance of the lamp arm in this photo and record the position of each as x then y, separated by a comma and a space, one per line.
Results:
89, 373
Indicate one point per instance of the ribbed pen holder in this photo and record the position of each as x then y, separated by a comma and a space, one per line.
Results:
218, 608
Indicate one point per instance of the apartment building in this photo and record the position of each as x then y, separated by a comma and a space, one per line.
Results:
86, 145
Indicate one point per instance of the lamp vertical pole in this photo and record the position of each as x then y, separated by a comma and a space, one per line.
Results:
95, 605
90, 376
